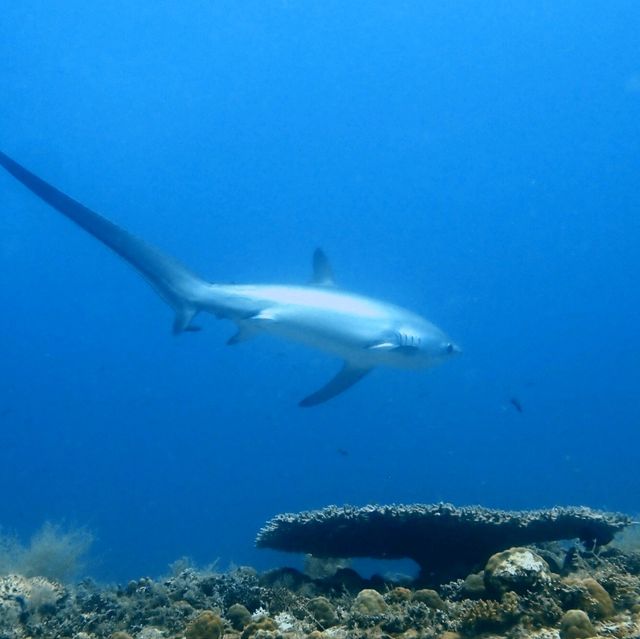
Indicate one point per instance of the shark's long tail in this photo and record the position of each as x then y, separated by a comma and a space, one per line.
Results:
176, 284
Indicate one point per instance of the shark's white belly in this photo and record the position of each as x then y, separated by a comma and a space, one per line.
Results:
345, 336
337, 322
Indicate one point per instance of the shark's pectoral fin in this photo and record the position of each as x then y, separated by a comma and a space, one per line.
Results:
347, 377
265, 315
382, 346
394, 347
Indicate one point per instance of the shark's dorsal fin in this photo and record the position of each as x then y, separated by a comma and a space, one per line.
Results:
322, 271
348, 375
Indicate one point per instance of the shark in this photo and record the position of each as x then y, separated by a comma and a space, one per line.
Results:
365, 333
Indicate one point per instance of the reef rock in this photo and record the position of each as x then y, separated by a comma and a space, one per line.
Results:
517, 569
446, 542
22, 597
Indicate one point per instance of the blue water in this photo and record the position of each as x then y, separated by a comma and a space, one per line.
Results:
476, 162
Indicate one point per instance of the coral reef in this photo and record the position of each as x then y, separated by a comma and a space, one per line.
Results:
446, 542
516, 594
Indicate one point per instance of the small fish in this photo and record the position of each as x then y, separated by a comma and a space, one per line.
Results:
515, 402
342, 451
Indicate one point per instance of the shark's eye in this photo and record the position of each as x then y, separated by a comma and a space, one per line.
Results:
449, 348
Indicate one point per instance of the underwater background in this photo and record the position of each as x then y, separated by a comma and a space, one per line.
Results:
475, 162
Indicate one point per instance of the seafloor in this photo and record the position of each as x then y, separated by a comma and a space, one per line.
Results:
546, 591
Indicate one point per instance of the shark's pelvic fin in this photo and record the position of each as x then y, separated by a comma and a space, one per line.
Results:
176, 284
346, 377
245, 331
182, 321
322, 271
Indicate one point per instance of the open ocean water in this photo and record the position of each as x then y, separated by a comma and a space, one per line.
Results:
475, 162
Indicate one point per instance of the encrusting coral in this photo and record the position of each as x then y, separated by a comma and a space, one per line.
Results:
575, 624
206, 625
323, 612
239, 616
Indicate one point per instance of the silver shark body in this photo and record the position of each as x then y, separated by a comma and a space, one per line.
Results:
365, 333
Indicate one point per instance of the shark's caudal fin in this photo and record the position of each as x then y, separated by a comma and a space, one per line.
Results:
178, 286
